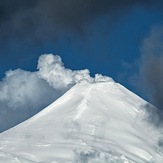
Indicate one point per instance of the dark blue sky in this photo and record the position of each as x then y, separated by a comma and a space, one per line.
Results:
104, 37
122, 39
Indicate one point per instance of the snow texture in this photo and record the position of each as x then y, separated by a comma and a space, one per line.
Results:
99, 122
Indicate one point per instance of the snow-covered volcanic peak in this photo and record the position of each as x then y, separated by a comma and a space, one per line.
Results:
99, 122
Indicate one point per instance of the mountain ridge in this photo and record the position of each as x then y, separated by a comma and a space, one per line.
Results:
92, 122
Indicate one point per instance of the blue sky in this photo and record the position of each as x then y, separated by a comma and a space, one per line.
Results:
104, 37
107, 48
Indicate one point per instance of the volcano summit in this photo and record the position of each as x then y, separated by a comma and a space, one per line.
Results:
100, 122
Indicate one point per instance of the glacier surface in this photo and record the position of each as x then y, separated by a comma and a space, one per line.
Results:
99, 122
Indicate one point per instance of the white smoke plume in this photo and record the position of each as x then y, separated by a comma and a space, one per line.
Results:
23, 93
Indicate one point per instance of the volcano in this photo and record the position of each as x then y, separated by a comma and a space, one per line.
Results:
99, 122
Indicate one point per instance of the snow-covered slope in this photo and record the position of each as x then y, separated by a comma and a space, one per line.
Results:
91, 123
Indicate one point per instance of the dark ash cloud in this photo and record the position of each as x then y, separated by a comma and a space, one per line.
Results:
153, 115
150, 79
151, 66
36, 20
32, 24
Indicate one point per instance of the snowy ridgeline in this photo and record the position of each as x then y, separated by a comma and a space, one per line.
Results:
99, 122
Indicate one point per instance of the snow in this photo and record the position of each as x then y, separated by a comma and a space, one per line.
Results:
91, 123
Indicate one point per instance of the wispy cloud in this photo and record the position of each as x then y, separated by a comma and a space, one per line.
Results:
24, 93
